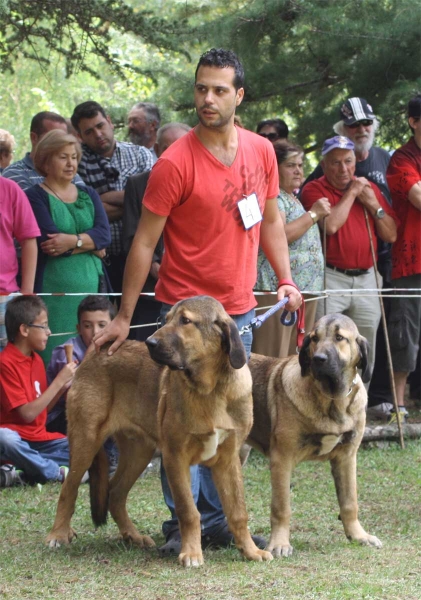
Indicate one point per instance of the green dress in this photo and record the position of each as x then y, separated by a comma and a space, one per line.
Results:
75, 273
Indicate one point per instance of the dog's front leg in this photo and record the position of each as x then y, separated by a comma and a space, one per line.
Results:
228, 478
344, 471
281, 467
178, 474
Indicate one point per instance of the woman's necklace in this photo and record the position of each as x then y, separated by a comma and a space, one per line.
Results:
54, 192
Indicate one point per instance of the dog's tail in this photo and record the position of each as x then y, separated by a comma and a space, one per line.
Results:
99, 488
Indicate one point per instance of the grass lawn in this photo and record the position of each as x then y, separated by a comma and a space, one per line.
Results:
324, 566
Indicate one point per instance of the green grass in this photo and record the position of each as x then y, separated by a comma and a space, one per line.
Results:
324, 566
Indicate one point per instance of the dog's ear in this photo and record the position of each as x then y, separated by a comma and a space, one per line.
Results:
364, 349
232, 344
304, 356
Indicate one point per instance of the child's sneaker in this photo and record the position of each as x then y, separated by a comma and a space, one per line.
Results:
10, 476
401, 415
63, 474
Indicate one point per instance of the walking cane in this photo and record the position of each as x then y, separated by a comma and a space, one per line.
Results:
324, 271
386, 335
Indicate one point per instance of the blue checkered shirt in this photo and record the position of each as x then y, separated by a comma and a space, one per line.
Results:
111, 174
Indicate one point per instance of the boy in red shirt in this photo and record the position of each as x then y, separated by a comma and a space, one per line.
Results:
24, 399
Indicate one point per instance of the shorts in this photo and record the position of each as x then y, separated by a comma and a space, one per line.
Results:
405, 324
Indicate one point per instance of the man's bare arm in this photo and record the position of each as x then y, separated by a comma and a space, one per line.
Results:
385, 227
274, 244
340, 212
414, 195
138, 264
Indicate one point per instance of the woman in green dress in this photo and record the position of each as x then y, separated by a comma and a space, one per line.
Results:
305, 254
74, 233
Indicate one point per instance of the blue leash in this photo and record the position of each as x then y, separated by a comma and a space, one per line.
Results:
257, 322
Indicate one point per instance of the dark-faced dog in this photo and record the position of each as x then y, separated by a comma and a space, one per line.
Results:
312, 407
196, 405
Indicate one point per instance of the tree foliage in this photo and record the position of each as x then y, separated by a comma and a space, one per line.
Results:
78, 29
302, 58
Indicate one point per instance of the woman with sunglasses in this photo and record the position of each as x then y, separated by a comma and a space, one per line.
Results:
305, 252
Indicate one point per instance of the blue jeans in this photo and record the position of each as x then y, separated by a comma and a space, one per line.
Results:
40, 461
203, 489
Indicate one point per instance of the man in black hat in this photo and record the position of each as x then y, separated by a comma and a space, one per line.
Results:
349, 262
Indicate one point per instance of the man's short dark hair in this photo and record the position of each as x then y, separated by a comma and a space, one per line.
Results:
151, 111
93, 302
86, 110
414, 109
218, 57
278, 124
37, 123
22, 310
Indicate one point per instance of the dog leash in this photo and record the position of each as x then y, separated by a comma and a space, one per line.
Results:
288, 319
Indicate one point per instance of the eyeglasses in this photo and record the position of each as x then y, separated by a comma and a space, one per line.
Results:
44, 327
364, 123
272, 137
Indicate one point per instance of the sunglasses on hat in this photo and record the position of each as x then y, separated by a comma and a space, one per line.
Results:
364, 123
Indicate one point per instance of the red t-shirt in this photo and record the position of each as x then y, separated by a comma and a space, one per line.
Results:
349, 247
22, 380
404, 171
207, 249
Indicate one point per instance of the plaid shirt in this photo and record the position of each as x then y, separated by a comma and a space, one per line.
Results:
111, 174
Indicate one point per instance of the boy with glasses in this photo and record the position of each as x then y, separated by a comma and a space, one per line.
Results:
37, 456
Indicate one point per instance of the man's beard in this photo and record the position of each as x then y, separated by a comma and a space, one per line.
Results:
364, 145
139, 139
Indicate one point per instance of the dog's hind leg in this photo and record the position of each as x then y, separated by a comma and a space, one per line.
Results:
227, 475
344, 471
82, 452
135, 455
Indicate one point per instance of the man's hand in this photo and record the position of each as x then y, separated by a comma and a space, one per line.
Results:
357, 185
295, 299
116, 331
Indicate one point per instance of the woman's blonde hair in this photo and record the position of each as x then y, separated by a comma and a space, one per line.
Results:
51, 143
7, 142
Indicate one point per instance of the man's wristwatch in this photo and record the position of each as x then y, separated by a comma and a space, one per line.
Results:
313, 215
380, 213
79, 242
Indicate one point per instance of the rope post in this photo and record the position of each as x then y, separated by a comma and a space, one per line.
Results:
386, 335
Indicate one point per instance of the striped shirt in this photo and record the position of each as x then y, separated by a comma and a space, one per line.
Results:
25, 175
110, 174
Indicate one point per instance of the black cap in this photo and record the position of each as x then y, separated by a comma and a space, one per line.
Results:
356, 109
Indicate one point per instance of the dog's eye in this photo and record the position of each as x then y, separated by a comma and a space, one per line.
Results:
315, 339
339, 338
185, 320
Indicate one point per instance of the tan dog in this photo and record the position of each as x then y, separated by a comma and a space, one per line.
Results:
312, 407
204, 415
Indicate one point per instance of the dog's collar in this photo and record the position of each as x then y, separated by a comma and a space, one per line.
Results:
354, 383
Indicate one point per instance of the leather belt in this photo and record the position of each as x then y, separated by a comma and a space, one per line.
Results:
349, 272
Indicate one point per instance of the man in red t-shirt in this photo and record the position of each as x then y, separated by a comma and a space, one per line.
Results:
210, 190
349, 262
24, 398
404, 179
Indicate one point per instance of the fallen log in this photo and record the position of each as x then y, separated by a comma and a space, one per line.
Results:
391, 432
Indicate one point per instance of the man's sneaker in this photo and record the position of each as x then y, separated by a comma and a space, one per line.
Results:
380, 411
10, 476
401, 415
63, 474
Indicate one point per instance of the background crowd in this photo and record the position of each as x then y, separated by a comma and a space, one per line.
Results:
70, 209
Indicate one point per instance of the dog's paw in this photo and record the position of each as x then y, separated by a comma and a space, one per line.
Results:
190, 559
143, 541
370, 540
260, 555
281, 550
57, 539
